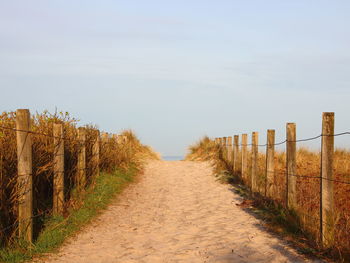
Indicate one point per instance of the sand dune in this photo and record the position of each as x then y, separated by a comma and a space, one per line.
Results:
177, 212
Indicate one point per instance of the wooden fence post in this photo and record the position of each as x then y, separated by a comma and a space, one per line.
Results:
104, 141
81, 176
235, 153
58, 179
224, 148
217, 141
24, 179
229, 150
244, 158
270, 163
224, 141
96, 154
254, 155
291, 166
327, 193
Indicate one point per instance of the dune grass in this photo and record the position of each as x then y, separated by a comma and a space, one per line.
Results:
114, 154
305, 221
58, 228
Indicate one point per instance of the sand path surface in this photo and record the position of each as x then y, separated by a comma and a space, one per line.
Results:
177, 212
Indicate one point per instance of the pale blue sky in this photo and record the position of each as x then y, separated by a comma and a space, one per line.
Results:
174, 71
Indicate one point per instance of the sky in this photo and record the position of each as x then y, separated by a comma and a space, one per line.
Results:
174, 71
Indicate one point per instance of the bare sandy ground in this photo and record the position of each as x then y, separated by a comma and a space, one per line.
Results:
177, 212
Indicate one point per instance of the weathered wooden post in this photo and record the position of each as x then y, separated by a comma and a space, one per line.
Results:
81, 175
291, 166
220, 141
217, 141
244, 158
24, 179
224, 148
224, 141
235, 153
104, 139
270, 163
58, 179
104, 152
327, 192
254, 172
96, 154
229, 150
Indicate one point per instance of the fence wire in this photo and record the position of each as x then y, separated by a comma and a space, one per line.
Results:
296, 141
309, 180
43, 148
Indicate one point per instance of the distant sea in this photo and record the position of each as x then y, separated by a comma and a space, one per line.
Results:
173, 158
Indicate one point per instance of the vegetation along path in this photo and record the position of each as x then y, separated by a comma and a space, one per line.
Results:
177, 212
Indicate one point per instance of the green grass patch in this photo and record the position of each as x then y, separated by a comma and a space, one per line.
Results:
58, 228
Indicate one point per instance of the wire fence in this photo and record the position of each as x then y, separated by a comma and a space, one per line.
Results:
39, 182
316, 185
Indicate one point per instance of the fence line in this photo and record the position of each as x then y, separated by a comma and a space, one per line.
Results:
285, 141
325, 196
24, 197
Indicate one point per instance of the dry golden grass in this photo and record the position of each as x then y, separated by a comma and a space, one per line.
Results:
308, 186
207, 150
308, 191
112, 156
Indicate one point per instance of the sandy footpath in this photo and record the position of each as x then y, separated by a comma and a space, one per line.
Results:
177, 212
